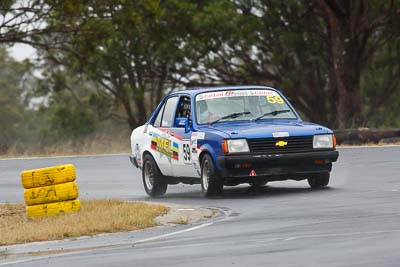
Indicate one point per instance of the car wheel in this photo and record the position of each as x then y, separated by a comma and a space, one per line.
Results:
153, 181
211, 180
258, 183
319, 180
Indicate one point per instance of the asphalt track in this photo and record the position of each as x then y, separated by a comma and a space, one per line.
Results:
354, 222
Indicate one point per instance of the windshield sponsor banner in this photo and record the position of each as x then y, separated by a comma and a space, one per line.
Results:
235, 93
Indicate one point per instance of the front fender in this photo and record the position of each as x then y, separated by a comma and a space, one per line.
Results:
207, 148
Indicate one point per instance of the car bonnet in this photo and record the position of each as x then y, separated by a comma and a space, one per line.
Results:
268, 129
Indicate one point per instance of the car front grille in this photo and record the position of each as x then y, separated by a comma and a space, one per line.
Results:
291, 144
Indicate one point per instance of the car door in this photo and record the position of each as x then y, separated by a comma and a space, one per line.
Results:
163, 145
183, 165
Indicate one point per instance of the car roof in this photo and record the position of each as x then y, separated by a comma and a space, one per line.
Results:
197, 90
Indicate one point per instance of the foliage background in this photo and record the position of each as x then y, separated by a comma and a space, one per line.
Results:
102, 66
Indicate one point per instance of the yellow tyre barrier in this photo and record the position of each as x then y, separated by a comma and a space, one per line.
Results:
53, 208
48, 176
50, 194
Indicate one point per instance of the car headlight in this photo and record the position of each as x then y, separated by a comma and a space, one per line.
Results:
237, 145
324, 141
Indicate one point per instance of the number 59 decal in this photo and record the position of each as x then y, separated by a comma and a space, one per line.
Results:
275, 99
186, 152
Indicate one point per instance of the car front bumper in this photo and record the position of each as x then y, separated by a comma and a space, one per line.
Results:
276, 166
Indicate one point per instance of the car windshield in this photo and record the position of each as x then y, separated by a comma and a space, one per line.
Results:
235, 105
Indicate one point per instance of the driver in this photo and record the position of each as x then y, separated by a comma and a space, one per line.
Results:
205, 115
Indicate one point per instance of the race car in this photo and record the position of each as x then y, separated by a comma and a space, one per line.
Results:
225, 136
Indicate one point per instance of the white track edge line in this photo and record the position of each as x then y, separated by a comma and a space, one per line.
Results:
133, 243
174, 233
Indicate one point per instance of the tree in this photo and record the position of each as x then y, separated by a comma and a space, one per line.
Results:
381, 107
356, 30
67, 113
128, 47
317, 52
24, 21
12, 105
320, 53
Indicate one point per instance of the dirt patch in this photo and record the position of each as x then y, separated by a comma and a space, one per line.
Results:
185, 215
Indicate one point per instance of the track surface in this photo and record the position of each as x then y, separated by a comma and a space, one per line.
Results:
354, 222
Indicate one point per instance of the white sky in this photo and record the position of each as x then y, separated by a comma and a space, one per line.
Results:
22, 51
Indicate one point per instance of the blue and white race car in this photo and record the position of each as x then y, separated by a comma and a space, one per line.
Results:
229, 136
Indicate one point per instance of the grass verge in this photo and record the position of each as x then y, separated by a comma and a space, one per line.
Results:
90, 145
95, 216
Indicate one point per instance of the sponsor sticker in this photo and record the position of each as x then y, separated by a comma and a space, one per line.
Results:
138, 155
165, 146
198, 135
280, 134
196, 168
182, 122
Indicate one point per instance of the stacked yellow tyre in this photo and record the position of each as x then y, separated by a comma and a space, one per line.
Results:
50, 191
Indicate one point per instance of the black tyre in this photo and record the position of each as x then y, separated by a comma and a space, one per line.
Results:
153, 181
319, 180
211, 181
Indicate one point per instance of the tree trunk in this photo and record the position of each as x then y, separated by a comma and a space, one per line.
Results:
128, 110
141, 110
346, 68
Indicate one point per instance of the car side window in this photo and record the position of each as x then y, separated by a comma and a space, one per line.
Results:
184, 110
169, 112
157, 121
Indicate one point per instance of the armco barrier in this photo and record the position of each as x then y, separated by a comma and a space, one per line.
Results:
367, 135
50, 191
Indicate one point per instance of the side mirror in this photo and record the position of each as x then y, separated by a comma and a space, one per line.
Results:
182, 123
